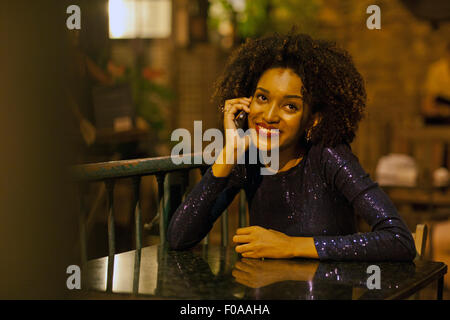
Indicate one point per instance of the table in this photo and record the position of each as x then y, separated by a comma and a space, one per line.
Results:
420, 204
215, 272
427, 196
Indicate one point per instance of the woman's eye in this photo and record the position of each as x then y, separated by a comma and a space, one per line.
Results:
261, 97
291, 107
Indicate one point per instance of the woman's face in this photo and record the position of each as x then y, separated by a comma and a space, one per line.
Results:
278, 104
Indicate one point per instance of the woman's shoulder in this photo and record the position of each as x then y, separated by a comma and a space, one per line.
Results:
340, 167
336, 155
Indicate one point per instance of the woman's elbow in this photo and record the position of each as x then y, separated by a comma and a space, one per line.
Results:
180, 246
175, 240
408, 254
406, 249
179, 241
412, 252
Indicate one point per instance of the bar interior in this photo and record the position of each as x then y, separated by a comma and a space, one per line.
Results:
99, 95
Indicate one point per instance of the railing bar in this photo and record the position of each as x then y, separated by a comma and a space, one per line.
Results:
129, 168
137, 271
83, 233
242, 209
91, 214
184, 184
110, 274
137, 211
224, 225
166, 204
109, 184
162, 219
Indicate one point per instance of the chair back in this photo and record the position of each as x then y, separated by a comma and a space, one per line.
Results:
420, 239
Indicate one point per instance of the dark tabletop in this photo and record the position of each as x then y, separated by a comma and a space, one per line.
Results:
214, 272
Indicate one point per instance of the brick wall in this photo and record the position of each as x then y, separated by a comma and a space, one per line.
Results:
393, 62
197, 70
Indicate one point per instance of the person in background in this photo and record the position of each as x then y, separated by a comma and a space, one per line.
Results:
436, 111
436, 105
85, 73
436, 101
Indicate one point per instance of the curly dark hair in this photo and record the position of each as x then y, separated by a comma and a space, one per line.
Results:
331, 83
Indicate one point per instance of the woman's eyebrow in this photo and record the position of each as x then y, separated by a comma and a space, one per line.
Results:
286, 96
262, 89
293, 96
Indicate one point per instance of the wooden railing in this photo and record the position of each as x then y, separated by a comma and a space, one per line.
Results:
161, 168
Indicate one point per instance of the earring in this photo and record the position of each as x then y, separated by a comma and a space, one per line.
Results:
308, 134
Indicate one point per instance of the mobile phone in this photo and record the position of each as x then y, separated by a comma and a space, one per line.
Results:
442, 100
241, 120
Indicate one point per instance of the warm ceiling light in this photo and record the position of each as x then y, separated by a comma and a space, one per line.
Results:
139, 18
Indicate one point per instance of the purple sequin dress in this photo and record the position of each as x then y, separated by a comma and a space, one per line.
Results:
317, 198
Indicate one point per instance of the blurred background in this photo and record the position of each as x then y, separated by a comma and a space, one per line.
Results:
138, 69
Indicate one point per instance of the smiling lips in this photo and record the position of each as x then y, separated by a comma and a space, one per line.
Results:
265, 130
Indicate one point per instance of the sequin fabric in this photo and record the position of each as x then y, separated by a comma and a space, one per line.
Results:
318, 198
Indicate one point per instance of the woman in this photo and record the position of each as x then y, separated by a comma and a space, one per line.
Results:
308, 94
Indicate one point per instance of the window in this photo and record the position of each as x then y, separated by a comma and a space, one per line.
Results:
139, 19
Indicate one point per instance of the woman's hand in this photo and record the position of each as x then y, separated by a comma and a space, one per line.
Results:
232, 139
258, 242
232, 108
256, 273
235, 145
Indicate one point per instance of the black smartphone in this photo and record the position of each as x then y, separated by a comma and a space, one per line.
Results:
241, 120
442, 100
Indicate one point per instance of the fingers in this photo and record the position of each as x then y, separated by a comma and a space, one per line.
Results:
244, 235
244, 248
239, 273
235, 108
247, 265
242, 239
231, 102
244, 278
234, 105
246, 282
239, 100
250, 254
250, 263
247, 230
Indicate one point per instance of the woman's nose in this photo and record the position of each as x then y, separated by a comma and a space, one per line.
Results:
271, 114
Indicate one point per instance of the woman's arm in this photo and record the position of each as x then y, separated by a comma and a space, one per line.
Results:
389, 239
195, 217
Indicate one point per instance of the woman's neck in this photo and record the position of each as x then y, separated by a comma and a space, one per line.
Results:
289, 158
